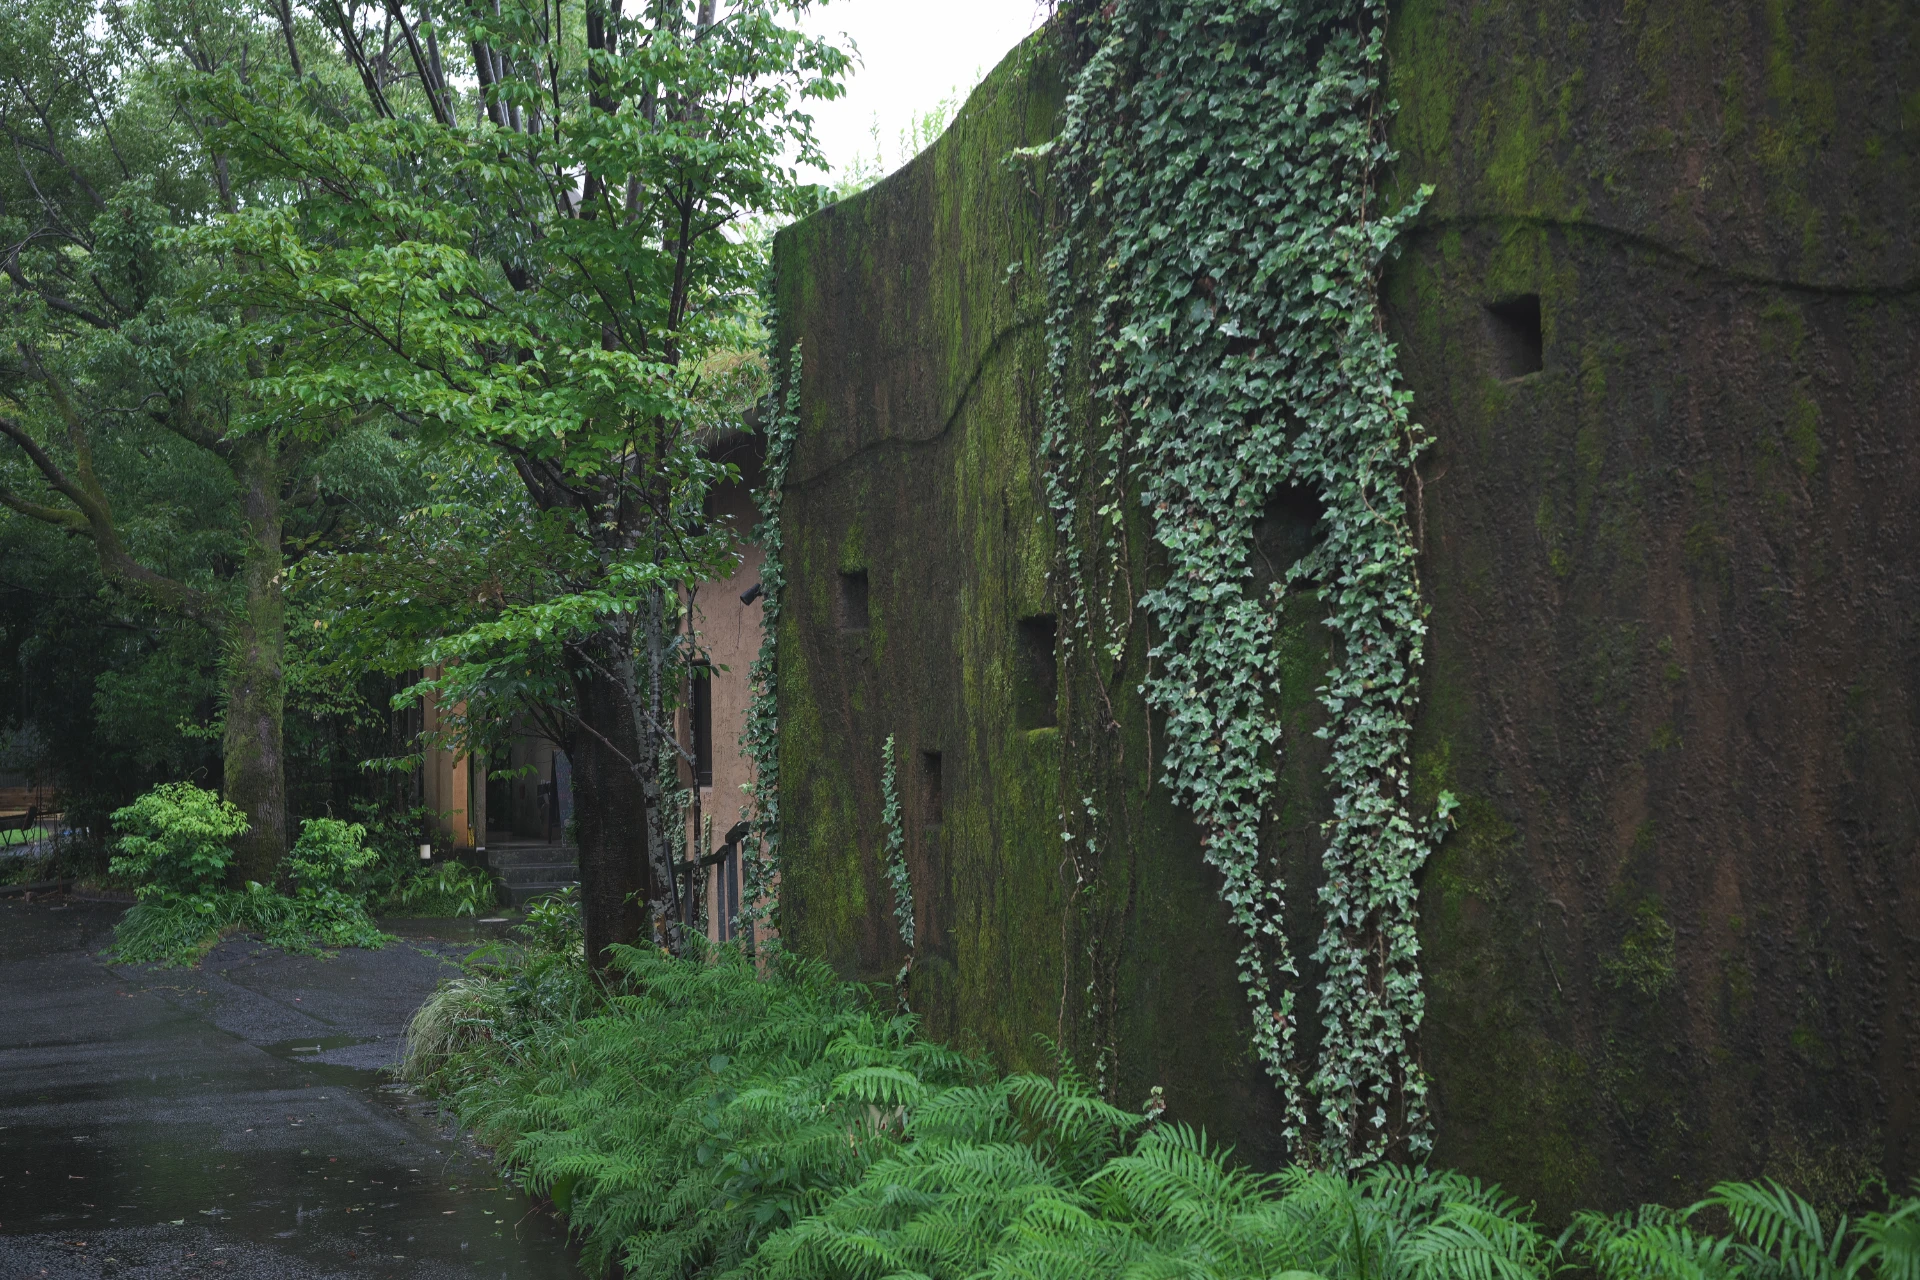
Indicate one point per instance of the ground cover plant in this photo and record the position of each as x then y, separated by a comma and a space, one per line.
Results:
714, 1114
176, 847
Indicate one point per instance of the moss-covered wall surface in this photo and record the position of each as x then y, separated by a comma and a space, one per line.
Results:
1675, 578
919, 306
1675, 574
915, 544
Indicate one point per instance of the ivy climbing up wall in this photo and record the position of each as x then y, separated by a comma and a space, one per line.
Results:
1193, 549
1220, 232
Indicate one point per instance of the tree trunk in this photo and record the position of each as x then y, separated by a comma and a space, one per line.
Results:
256, 640
610, 810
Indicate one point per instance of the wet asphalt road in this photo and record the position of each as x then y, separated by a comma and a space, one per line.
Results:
232, 1120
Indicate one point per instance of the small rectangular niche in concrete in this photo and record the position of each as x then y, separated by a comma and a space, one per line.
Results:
1514, 325
1036, 674
932, 802
853, 600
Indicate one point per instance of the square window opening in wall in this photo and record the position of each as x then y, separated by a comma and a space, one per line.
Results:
853, 600
1514, 325
1036, 674
932, 801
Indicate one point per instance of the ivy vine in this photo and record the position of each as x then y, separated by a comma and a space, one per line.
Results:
1213, 278
896, 858
760, 736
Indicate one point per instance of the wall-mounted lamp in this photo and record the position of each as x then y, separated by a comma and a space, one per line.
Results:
751, 594
426, 853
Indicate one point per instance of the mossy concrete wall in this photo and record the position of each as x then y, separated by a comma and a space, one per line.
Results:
1675, 577
918, 309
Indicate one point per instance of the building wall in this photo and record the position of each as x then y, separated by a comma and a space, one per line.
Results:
1675, 586
729, 633
445, 784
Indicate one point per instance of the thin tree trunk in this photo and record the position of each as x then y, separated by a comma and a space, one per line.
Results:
256, 639
610, 809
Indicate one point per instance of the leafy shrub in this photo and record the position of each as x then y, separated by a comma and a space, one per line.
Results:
330, 854
175, 847
554, 925
327, 867
715, 1116
395, 836
176, 841
444, 889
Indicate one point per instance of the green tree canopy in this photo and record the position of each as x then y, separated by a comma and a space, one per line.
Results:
540, 263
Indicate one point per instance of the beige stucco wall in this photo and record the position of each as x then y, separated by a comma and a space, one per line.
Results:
729, 633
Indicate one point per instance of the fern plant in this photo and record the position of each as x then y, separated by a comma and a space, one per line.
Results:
720, 1115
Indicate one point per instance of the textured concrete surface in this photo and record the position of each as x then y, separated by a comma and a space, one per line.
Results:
1661, 318
232, 1120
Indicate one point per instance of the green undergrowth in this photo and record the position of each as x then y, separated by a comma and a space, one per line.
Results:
178, 931
47, 859
713, 1115
176, 848
440, 890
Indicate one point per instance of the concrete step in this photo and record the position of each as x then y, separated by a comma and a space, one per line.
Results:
515, 854
530, 871
543, 873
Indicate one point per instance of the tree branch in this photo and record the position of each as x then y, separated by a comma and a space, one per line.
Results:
442, 113
95, 520
19, 277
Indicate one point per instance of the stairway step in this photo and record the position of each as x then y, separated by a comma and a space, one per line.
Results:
549, 873
532, 853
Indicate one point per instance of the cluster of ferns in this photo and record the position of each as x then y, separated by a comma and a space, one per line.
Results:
720, 1115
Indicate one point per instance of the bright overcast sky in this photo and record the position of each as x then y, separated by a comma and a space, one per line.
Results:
913, 53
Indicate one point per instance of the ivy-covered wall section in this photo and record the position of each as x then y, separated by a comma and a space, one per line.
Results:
1658, 321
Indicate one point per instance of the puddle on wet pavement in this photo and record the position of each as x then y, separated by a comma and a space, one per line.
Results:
129, 1138
346, 1061
449, 1207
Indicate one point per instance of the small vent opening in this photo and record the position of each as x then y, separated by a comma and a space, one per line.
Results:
1515, 327
1037, 676
853, 600
1288, 528
932, 802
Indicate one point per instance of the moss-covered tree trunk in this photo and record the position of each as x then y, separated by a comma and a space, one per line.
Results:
255, 638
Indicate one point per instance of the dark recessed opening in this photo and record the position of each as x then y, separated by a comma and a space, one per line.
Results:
853, 600
700, 711
1515, 327
1288, 528
931, 803
1036, 675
